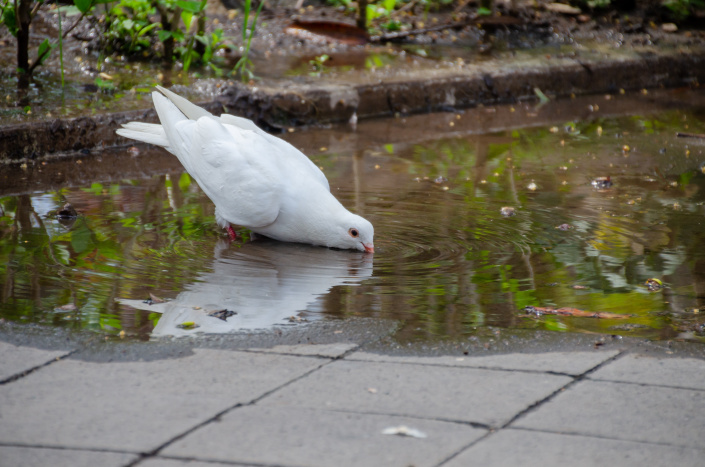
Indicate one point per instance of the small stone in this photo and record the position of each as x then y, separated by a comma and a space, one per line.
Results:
507, 211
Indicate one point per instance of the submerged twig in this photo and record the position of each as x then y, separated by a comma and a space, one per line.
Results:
690, 135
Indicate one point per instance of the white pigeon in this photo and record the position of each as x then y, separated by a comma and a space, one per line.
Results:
255, 180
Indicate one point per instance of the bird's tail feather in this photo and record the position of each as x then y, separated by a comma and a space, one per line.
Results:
192, 111
145, 132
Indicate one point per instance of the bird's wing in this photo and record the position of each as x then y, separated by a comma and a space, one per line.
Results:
297, 158
238, 173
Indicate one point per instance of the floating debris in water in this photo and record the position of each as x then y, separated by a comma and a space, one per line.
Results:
153, 299
539, 311
67, 307
133, 150
67, 212
690, 135
222, 314
629, 327
440, 179
564, 227
507, 211
653, 284
602, 183
532, 186
296, 319
188, 325
403, 430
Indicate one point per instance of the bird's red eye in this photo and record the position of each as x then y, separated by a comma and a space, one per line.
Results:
353, 233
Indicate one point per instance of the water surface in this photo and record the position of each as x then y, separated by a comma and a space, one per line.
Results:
449, 262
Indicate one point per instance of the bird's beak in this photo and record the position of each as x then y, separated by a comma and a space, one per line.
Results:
369, 247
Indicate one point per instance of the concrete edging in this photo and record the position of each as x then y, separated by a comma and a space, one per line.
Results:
287, 103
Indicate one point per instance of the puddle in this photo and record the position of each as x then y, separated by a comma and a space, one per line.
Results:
449, 260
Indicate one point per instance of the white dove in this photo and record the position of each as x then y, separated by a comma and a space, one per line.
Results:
255, 180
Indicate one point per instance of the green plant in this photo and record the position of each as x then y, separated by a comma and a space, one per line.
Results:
382, 9
682, 9
17, 16
318, 64
128, 25
131, 27
244, 64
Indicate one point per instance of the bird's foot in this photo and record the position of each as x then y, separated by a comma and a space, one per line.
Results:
231, 233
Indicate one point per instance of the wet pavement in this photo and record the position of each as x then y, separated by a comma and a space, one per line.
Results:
343, 404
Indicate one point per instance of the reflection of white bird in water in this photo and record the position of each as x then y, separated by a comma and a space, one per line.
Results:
263, 282
255, 180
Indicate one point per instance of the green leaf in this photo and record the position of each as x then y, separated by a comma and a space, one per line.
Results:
83, 5
482, 11
164, 35
69, 10
145, 30
186, 17
193, 7
128, 24
389, 5
184, 181
44, 51
81, 239
8, 17
202, 39
60, 252
187, 60
178, 35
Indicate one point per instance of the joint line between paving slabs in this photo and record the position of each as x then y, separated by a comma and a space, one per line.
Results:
609, 438
146, 455
17, 376
575, 380
466, 367
64, 448
220, 462
293, 354
482, 426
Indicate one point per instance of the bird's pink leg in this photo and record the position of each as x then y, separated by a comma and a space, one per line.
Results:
231, 233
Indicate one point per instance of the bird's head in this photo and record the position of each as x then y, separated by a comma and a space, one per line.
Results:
354, 233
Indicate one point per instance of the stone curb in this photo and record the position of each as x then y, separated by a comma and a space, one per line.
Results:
286, 102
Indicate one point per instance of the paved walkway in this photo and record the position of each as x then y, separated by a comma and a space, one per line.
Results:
338, 405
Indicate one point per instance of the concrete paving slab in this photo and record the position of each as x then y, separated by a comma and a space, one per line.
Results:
163, 462
315, 350
463, 394
537, 449
135, 406
296, 436
623, 411
675, 372
19, 456
571, 363
16, 360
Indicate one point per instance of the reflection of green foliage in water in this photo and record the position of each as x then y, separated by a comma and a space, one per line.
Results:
464, 269
71, 276
617, 241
